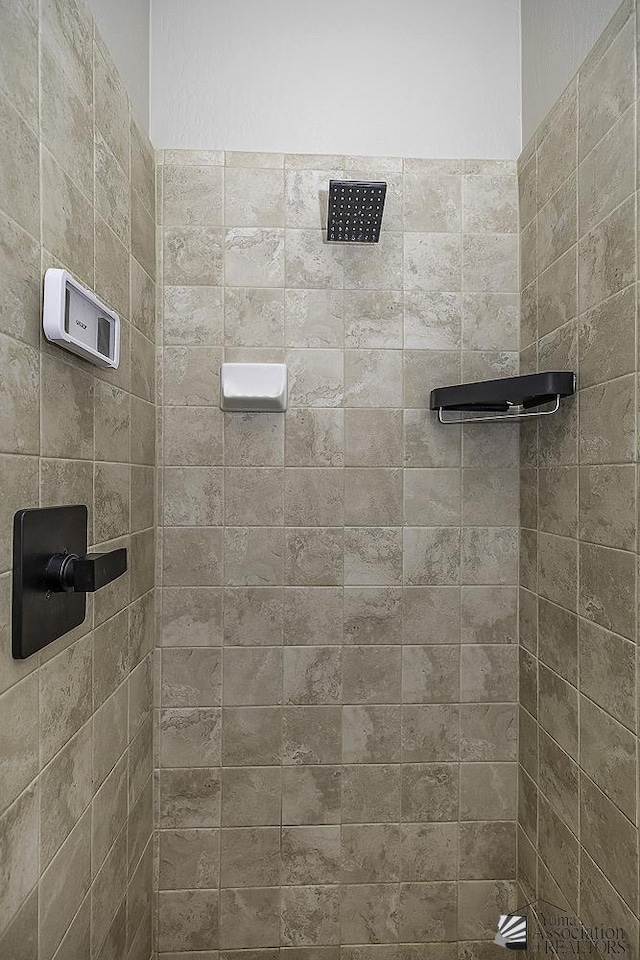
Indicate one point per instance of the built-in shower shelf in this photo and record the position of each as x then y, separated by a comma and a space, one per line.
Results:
516, 398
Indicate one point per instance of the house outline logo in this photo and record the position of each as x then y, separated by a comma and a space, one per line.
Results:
512, 931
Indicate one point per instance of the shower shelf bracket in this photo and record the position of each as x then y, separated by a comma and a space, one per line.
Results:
525, 395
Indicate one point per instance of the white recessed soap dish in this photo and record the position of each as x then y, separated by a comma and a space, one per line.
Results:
253, 387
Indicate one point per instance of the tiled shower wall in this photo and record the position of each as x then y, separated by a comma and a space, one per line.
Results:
76, 190
337, 704
578, 837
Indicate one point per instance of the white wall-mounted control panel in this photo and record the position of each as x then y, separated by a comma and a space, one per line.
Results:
78, 321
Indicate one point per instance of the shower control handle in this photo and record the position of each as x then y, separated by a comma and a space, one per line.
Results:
69, 573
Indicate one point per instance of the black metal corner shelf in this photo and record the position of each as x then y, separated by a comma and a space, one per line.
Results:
523, 395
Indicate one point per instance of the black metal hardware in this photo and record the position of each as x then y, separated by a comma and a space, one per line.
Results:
355, 210
515, 394
52, 574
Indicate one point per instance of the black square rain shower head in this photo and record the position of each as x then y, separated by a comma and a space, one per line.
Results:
355, 211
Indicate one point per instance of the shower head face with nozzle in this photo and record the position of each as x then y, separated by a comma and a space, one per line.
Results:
355, 211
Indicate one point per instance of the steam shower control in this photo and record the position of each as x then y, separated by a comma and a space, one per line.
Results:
66, 571
52, 574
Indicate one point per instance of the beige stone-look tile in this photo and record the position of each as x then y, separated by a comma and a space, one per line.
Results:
310, 795
19, 827
251, 736
374, 267
608, 588
490, 263
607, 672
557, 153
67, 123
188, 919
20, 295
557, 292
529, 315
431, 674
487, 850
558, 500
606, 175
311, 855
313, 497
311, 734
254, 495
373, 378
19, 71
371, 794
432, 321
192, 436
608, 506
597, 896
432, 261
312, 675
607, 422
143, 307
20, 938
193, 316
431, 615
143, 236
603, 357
192, 196
426, 444
63, 886
369, 913
112, 197
557, 570
20, 762
430, 792
189, 798
489, 321
558, 709
430, 732
252, 677
250, 857
488, 555
192, 496
478, 903
251, 796
312, 615
252, 439
370, 734
191, 376
68, 31
558, 850
488, 614
191, 617
370, 853
488, 791
189, 859
313, 556
111, 501
65, 696
598, 278
607, 90
607, 755
432, 202
372, 556
193, 256
306, 195
109, 813
311, 262
427, 911
527, 188
19, 481
190, 737
191, 677
558, 639
19, 397
489, 497
371, 674
490, 204
314, 438
434, 367
253, 556
373, 318
603, 829
488, 731
558, 780
428, 851
250, 917
19, 181
313, 318
315, 378
372, 496
111, 268
431, 556
240, 158
373, 438
488, 673
310, 915
111, 107
528, 254
372, 615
